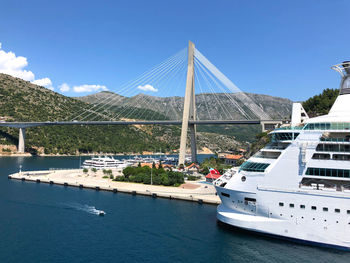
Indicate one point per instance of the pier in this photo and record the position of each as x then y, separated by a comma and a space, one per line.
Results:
190, 191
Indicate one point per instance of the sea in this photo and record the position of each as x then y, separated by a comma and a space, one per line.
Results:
50, 223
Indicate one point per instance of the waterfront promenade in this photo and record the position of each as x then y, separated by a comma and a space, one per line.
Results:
190, 191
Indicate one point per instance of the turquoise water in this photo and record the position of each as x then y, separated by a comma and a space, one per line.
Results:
50, 223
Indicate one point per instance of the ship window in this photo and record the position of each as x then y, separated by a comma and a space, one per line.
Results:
333, 147
302, 206
337, 210
291, 205
321, 156
348, 211
254, 167
283, 136
313, 207
320, 126
328, 172
247, 199
325, 209
341, 157
281, 204
224, 194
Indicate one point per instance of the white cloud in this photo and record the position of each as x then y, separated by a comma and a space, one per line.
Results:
45, 82
147, 87
89, 88
64, 87
14, 65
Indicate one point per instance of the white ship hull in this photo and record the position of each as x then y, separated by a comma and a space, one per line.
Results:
298, 186
302, 226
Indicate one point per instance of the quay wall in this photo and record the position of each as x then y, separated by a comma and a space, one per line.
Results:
201, 195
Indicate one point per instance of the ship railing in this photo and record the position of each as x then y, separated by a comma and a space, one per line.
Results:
290, 128
328, 126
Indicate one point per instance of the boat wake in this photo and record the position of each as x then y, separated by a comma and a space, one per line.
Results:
86, 208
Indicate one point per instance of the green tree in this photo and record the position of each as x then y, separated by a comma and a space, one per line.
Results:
321, 104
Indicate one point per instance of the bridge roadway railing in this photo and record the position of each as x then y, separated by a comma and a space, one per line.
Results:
165, 122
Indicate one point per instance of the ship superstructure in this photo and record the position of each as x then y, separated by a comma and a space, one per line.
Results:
105, 163
298, 185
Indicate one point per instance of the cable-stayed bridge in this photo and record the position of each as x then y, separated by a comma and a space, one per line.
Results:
215, 101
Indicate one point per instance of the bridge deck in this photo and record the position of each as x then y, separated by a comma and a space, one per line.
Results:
165, 122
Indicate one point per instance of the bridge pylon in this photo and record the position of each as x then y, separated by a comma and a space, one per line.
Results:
189, 111
21, 140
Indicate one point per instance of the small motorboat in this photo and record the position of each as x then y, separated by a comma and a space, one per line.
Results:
101, 213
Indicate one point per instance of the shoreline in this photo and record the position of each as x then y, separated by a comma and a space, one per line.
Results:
90, 155
190, 191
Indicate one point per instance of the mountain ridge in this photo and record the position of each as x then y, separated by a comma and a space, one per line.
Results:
23, 101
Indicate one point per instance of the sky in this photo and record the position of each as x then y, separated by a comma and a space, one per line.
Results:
274, 47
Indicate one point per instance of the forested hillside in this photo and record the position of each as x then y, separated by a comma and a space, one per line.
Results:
322, 103
22, 101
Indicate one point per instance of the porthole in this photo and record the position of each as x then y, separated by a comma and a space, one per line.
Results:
225, 194
337, 210
291, 205
281, 204
325, 209
313, 207
302, 206
243, 178
348, 212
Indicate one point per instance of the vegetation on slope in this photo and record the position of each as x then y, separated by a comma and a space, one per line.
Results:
322, 103
22, 101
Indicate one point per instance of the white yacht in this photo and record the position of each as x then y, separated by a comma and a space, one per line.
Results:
105, 163
298, 186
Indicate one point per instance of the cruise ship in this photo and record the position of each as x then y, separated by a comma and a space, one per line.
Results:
105, 163
298, 186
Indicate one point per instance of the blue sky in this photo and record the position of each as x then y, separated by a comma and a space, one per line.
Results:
280, 48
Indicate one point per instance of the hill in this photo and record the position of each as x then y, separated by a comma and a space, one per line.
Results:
171, 108
23, 101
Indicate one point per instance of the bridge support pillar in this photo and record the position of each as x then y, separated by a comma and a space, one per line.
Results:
189, 112
21, 140
193, 143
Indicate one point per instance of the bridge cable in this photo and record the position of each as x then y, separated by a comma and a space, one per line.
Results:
229, 84
156, 78
130, 84
240, 109
127, 85
143, 98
